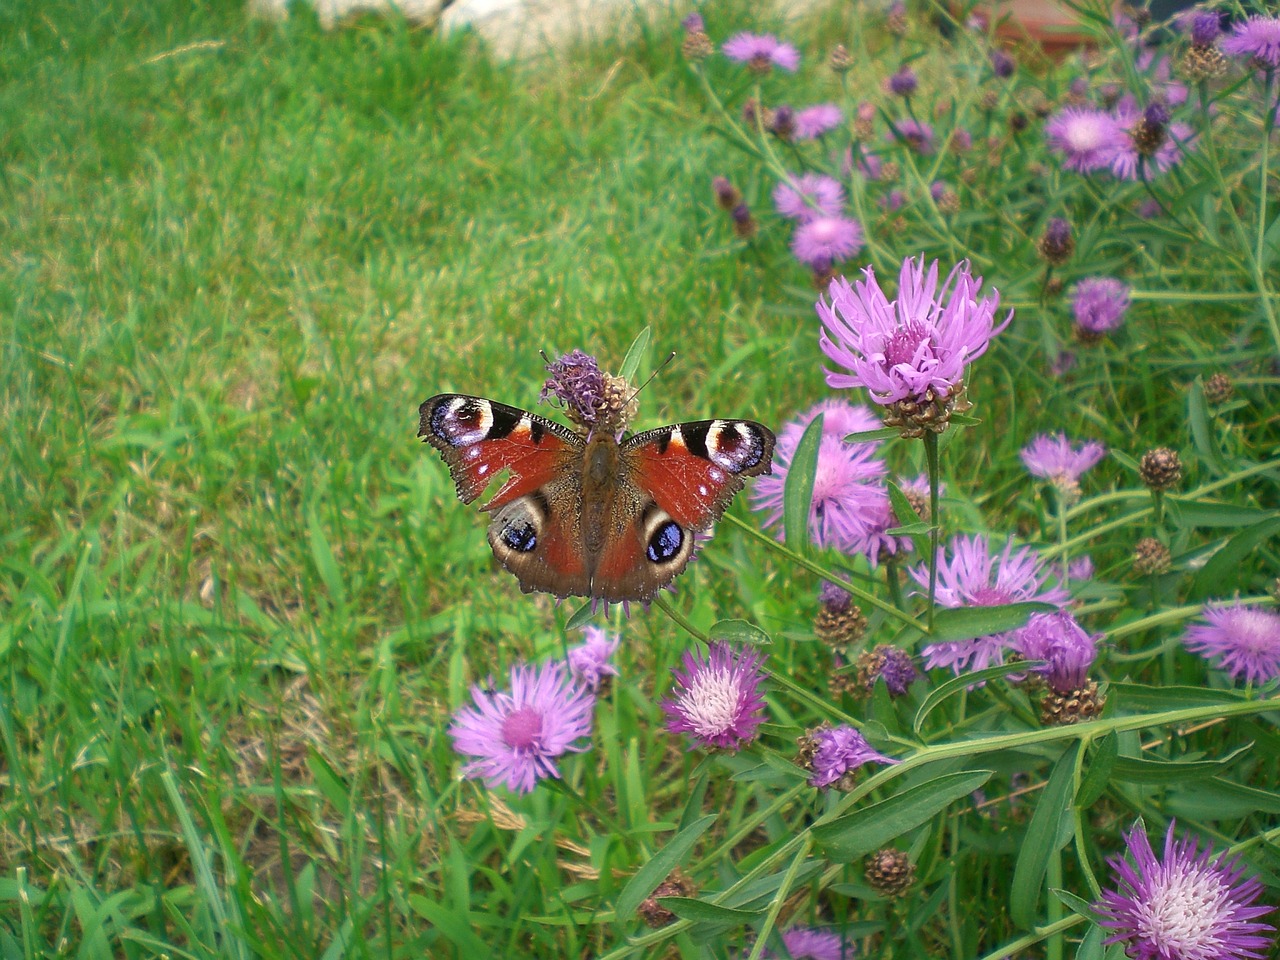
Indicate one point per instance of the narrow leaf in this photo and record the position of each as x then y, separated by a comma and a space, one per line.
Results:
687, 908
950, 688
1041, 840
738, 631
867, 436
1126, 698
326, 564
1195, 513
797, 492
964, 623
1101, 764
1077, 905
1142, 770
449, 924
635, 353
852, 836
580, 617
653, 872
1221, 574
1202, 429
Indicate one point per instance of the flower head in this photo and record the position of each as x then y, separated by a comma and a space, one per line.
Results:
1062, 643
1100, 304
1149, 142
514, 738
589, 661
809, 196
969, 575
823, 241
1062, 463
1081, 568
717, 700
591, 397
1245, 641
1002, 64
813, 122
761, 52
915, 134
904, 82
841, 751
902, 349
1086, 138
1257, 38
1185, 905
811, 943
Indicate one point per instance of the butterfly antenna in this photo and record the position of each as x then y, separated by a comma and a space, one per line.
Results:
671, 356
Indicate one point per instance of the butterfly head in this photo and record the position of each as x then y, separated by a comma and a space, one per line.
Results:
596, 401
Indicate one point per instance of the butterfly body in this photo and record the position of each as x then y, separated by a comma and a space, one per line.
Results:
593, 516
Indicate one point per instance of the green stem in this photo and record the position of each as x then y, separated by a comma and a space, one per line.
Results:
931, 459
663, 604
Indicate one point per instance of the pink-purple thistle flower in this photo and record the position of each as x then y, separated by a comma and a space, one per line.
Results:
914, 133
1150, 144
1243, 640
1099, 305
903, 83
816, 121
823, 241
1257, 38
841, 751
589, 662
515, 737
762, 52
1086, 138
1185, 905
812, 943
717, 698
1057, 639
920, 342
1062, 463
808, 196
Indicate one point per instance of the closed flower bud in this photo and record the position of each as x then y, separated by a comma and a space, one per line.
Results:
1057, 244
1078, 706
727, 195
1151, 557
1160, 468
840, 60
890, 872
653, 913
1218, 389
697, 46
840, 622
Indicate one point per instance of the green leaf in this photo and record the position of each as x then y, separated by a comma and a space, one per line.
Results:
910, 530
1140, 698
1076, 905
857, 834
1195, 513
964, 420
1221, 574
1100, 766
687, 908
1041, 840
1219, 799
939, 694
635, 353
907, 515
867, 436
580, 617
450, 925
964, 623
1202, 429
326, 564
738, 631
797, 491
656, 869
1142, 770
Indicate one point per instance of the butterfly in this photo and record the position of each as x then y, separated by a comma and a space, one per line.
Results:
592, 516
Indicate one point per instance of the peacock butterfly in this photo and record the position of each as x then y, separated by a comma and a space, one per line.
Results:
593, 514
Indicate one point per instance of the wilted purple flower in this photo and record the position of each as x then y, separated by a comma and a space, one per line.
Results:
841, 750
783, 123
1148, 143
1100, 304
1056, 459
901, 349
904, 82
1184, 906
916, 135
811, 943
1086, 138
970, 576
1245, 641
589, 661
813, 122
826, 240
1062, 643
846, 487
717, 700
808, 196
897, 670
1081, 568
515, 737
1257, 38
1002, 64
760, 52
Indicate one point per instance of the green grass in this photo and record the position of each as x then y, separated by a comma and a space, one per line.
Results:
239, 599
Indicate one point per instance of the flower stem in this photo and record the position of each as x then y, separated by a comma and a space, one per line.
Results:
931, 459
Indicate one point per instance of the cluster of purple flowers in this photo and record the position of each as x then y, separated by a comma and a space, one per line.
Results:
823, 236
1128, 141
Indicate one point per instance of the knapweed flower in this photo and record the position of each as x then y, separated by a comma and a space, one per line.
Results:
1185, 905
868, 164
1205, 27
892, 664
904, 82
808, 196
812, 943
915, 134
846, 486
1099, 305
717, 699
1150, 144
1002, 64
1062, 463
1057, 639
969, 575
1257, 38
913, 350
1086, 138
813, 122
593, 399
1243, 640
762, 52
1056, 243
840, 752
826, 240
514, 738
589, 661
1080, 569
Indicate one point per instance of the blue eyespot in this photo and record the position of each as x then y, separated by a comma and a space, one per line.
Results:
520, 536
665, 542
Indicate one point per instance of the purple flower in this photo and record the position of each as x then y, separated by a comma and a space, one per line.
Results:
893, 200
813, 122
846, 487
808, 196
514, 738
897, 670
841, 750
718, 700
1080, 568
904, 82
937, 189
1206, 27
916, 135
589, 661
811, 943
576, 381
1129, 155
1100, 304
1245, 641
1086, 138
1056, 459
693, 22
970, 576
761, 52
826, 240
1258, 38
901, 349
1002, 64
1183, 906
869, 165
1062, 643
